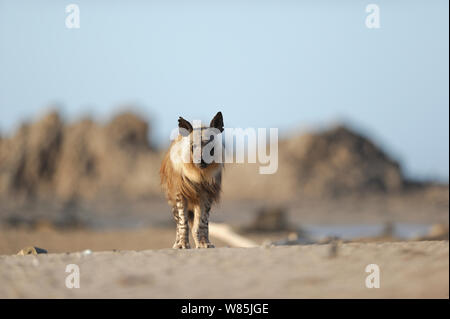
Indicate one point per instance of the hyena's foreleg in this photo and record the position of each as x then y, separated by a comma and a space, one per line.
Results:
200, 226
180, 214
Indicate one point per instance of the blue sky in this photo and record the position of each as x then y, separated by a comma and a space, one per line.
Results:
287, 64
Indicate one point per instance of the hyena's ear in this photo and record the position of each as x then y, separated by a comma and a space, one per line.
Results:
217, 122
184, 126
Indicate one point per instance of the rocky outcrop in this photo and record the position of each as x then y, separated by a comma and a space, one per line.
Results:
88, 160
79, 160
339, 161
331, 163
28, 160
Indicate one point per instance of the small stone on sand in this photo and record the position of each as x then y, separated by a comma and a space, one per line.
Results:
31, 251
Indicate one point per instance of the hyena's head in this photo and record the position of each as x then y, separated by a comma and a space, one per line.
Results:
201, 141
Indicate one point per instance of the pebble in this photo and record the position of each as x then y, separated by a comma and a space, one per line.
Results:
31, 251
87, 252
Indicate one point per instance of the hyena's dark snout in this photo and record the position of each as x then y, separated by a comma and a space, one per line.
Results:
203, 164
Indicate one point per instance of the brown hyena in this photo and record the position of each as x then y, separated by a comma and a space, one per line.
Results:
192, 179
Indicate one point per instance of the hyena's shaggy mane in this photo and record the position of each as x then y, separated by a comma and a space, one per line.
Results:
195, 185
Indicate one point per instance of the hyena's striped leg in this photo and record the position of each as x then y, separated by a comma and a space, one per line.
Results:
177, 220
200, 227
182, 236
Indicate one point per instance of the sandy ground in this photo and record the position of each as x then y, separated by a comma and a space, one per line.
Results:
407, 270
62, 241
131, 257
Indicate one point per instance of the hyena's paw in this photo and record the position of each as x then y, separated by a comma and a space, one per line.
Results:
181, 245
205, 245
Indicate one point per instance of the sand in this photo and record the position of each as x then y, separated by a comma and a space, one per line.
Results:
407, 270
